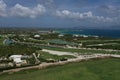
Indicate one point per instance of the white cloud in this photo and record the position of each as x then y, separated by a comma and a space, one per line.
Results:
2, 9
110, 9
76, 15
48, 3
82, 16
22, 11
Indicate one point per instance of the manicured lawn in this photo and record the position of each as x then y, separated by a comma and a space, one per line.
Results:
106, 69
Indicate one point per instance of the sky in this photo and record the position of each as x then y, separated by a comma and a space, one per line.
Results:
100, 14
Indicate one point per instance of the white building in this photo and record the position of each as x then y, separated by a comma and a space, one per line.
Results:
36, 36
75, 35
60, 35
16, 58
85, 36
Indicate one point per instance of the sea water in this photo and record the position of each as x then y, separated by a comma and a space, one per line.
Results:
92, 32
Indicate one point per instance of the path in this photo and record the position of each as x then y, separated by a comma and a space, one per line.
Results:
59, 53
79, 58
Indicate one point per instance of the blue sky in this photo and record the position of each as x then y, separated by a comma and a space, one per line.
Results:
103, 14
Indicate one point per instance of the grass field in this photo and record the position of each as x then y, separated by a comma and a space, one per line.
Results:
46, 55
105, 69
83, 51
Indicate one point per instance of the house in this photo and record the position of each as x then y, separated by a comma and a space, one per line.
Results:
60, 35
16, 58
36, 36
75, 35
8, 41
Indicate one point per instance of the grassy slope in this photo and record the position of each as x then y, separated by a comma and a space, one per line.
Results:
106, 69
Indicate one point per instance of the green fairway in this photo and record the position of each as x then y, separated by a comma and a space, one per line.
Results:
81, 51
46, 55
106, 69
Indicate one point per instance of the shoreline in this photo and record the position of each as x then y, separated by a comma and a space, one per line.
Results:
91, 32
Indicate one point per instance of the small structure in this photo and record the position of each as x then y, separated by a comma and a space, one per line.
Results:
16, 58
80, 44
36, 36
60, 35
44, 32
85, 36
8, 41
75, 35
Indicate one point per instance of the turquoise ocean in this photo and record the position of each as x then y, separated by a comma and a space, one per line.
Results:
92, 32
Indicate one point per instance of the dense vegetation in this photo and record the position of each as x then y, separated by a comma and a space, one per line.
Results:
105, 44
112, 46
6, 50
1, 40
90, 70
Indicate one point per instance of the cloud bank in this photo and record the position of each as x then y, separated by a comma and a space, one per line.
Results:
21, 11
82, 16
3, 7
54, 12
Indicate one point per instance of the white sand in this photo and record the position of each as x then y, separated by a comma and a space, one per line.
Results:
58, 52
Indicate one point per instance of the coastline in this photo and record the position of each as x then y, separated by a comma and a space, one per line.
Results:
91, 32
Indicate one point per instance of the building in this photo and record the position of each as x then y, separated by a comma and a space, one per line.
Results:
8, 41
16, 58
75, 35
36, 36
60, 35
